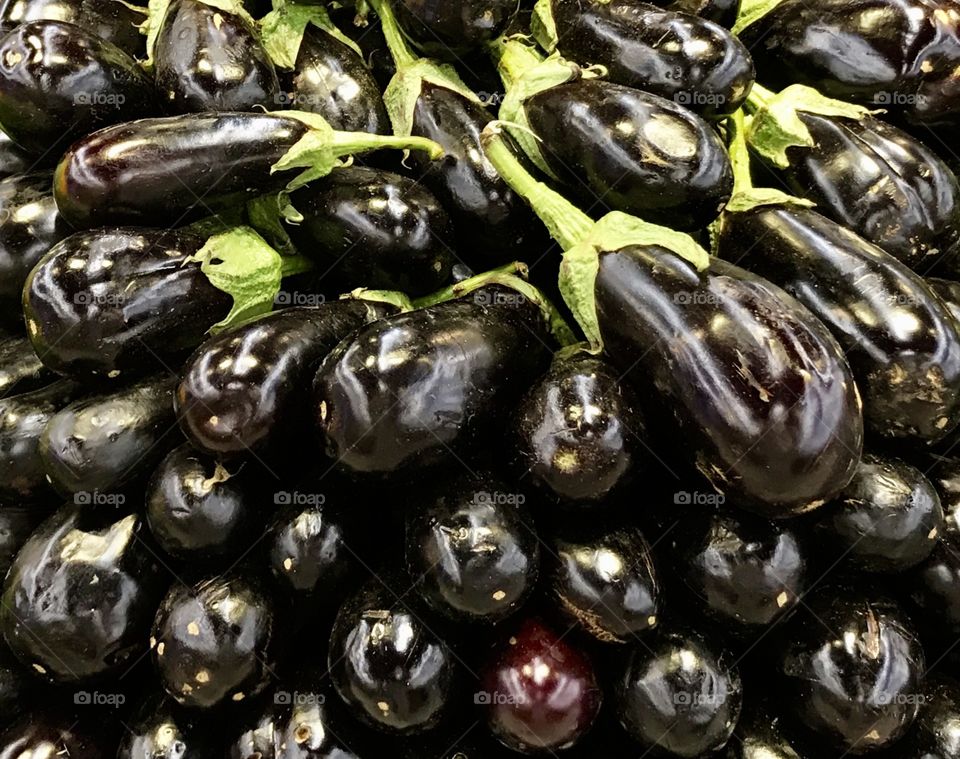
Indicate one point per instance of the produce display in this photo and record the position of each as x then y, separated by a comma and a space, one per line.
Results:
476, 379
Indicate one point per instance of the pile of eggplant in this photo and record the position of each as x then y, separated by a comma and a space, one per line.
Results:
479, 378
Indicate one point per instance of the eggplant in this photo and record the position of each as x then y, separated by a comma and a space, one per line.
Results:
114, 21
375, 229
14, 685
208, 59
21, 370
934, 735
214, 643
79, 598
23, 418
579, 432
899, 55
162, 730
59, 82
453, 28
29, 226
723, 12
949, 292
17, 524
12, 158
909, 376
934, 589
761, 736
247, 389
95, 446
38, 734
690, 60
414, 390
111, 303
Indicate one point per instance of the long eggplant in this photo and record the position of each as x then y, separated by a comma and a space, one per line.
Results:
115, 21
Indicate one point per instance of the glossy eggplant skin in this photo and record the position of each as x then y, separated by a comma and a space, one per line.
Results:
23, 418
30, 226
491, 221
632, 151
59, 82
103, 442
876, 52
111, 20
214, 643
859, 695
884, 185
13, 160
948, 291
38, 735
80, 596
161, 730
375, 229
158, 171
935, 591
760, 736
412, 390
936, 733
723, 12
17, 524
332, 80
690, 60
245, 390
21, 370
209, 60
909, 378
120, 302
450, 29
764, 400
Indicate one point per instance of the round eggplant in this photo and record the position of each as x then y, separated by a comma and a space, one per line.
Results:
207, 59
577, 432
38, 735
95, 446
690, 60
59, 82
112, 303
763, 396
161, 730
245, 390
29, 227
79, 598
374, 229
453, 28
158, 171
902, 343
410, 391
934, 588
632, 151
17, 524
760, 736
21, 370
14, 685
115, 21
214, 643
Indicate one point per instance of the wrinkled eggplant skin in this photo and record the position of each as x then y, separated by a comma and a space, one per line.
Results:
111, 20
59, 82
410, 391
574, 455
244, 390
779, 428
101, 443
492, 222
209, 60
375, 229
455, 27
332, 80
163, 731
723, 12
13, 160
30, 227
884, 185
690, 60
909, 379
113, 303
668, 166
859, 696
23, 418
54, 615
876, 52
17, 524
21, 370
159, 171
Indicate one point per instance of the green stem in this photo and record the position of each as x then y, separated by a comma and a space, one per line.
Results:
348, 143
392, 297
513, 58
568, 225
739, 154
759, 97
401, 52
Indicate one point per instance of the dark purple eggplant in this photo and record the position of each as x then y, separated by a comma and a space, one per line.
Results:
21, 370
899, 55
80, 596
909, 376
936, 732
410, 391
38, 735
112, 303
247, 389
115, 21
693, 61
23, 418
949, 292
95, 446
214, 643
375, 229
453, 28
934, 588
161, 729
17, 524
759, 735
579, 432
59, 82
723, 12
13, 160
29, 227
207, 59
15, 688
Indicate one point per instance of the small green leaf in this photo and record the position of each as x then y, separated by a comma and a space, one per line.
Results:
543, 26
282, 31
764, 196
618, 230
266, 216
395, 298
752, 11
403, 91
578, 276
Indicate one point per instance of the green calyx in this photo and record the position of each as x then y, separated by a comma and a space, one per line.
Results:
322, 148
157, 13
282, 30
266, 215
752, 11
543, 26
401, 301
776, 125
